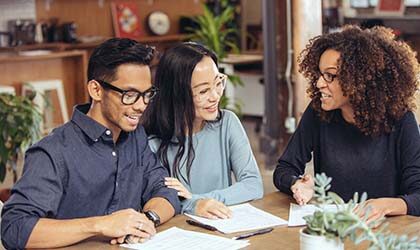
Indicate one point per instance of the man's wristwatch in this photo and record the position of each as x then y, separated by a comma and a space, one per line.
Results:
154, 217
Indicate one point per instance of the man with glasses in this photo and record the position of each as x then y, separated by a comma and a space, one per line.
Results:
95, 175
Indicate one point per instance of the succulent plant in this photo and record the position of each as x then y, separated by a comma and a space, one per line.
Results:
346, 223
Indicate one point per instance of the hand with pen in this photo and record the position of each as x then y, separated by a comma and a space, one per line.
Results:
303, 189
207, 208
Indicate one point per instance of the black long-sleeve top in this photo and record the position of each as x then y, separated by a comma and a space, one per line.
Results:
384, 166
78, 171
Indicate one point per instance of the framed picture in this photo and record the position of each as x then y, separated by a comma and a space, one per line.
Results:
412, 3
50, 100
373, 3
359, 3
125, 19
390, 8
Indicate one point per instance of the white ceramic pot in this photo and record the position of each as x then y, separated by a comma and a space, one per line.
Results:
314, 242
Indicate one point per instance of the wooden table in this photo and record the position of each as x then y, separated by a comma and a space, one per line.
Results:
280, 238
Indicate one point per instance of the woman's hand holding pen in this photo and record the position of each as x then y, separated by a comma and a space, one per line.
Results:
177, 185
303, 189
212, 209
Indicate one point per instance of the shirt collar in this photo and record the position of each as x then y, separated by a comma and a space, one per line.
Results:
89, 126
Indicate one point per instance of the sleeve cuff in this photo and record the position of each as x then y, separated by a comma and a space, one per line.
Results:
413, 203
188, 205
17, 235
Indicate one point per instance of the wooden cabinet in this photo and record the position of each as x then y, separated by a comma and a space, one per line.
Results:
68, 66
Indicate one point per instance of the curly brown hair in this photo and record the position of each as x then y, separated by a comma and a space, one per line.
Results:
377, 72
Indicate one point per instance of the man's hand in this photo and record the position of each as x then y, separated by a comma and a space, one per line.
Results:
303, 189
381, 207
174, 183
125, 222
212, 209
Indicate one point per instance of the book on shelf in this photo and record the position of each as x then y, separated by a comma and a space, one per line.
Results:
125, 19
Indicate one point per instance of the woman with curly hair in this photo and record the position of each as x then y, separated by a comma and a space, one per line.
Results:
359, 126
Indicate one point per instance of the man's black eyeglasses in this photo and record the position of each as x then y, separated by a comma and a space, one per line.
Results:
130, 97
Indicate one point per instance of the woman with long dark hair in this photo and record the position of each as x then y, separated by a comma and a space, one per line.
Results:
200, 144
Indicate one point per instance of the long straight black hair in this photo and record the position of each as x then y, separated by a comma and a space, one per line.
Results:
170, 116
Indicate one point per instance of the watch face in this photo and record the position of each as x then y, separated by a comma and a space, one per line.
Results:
158, 23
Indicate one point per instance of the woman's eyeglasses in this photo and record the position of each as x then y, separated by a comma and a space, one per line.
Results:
328, 77
130, 97
218, 86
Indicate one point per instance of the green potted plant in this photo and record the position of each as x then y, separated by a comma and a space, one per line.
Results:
213, 32
327, 229
19, 126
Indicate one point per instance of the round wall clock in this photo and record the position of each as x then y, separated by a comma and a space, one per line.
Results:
158, 23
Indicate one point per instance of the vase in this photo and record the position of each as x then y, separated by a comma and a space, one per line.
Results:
315, 242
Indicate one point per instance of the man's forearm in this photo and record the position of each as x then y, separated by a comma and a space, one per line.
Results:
162, 207
57, 233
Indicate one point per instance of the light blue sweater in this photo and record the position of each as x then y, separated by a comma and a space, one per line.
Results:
221, 148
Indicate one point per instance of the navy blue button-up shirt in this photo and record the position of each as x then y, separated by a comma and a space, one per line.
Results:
78, 171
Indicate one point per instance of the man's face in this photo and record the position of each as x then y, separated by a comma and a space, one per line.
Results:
119, 116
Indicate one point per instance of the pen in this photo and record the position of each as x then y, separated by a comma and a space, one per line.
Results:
262, 231
199, 224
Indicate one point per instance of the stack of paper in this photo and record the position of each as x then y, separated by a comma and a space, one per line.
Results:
179, 239
245, 217
296, 213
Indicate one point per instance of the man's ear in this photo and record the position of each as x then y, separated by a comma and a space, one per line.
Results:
95, 90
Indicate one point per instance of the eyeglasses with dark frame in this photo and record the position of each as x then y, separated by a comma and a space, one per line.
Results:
328, 77
129, 97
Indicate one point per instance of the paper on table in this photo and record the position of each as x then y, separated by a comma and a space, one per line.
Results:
178, 239
245, 217
296, 213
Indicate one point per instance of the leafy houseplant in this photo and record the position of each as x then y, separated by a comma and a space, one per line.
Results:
213, 32
346, 223
19, 126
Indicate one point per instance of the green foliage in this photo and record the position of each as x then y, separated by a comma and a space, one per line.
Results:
19, 126
346, 223
214, 34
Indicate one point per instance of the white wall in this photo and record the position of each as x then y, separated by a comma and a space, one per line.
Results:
16, 9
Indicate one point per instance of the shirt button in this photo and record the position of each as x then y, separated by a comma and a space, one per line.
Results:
107, 132
113, 153
95, 140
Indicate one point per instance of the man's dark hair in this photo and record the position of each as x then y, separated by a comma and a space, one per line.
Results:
106, 58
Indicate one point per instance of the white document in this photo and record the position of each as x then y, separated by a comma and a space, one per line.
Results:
178, 239
296, 213
245, 217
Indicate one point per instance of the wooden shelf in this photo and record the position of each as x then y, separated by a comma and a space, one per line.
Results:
53, 55
167, 38
91, 45
68, 66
